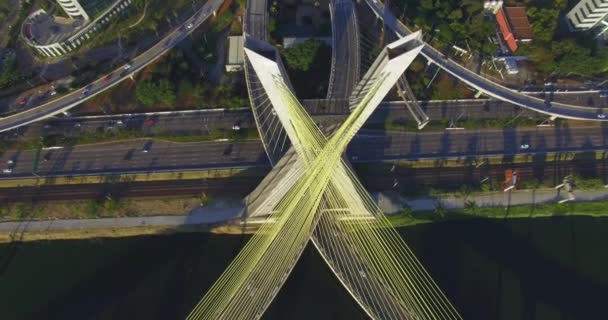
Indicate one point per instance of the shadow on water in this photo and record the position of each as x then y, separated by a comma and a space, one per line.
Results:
489, 269
514, 269
174, 271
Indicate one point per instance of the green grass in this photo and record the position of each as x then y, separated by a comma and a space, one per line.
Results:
592, 209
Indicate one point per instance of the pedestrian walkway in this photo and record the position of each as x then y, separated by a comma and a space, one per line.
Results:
492, 199
223, 210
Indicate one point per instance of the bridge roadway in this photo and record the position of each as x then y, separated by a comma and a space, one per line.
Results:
66, 102
368, 146
203, 121
494, 90
344, 73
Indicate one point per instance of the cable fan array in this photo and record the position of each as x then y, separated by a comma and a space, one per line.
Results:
327, 203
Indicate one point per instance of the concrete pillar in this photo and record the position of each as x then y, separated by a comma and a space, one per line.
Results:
42, 52
51, 51
61, 48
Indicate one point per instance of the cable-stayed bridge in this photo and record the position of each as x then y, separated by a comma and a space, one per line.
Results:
312, 193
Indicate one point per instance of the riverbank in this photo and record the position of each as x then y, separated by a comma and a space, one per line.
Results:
223, 216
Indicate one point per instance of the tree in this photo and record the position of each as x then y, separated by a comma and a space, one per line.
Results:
470, 206
301, 56
8, 71
149, 93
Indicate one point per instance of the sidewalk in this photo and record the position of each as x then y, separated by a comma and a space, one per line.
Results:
220, 211
392, 204
227, 209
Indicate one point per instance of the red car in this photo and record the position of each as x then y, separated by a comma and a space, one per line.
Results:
106, 79
23, 102
150, 121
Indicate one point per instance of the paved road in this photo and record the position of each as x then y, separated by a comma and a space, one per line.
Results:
488, 87
345, 50
228, 209
374, 146
76, 97
203, 121
129, 157
368, 146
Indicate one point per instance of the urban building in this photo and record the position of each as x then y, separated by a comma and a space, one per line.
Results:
589, 14
513, 25
73, 9
53, 35
235, 59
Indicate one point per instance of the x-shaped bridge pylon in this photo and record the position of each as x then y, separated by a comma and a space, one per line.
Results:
323, 199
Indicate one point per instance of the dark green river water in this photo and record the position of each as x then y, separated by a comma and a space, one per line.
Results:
490, 269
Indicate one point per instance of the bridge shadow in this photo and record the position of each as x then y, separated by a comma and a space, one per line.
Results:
186, 267
518, 262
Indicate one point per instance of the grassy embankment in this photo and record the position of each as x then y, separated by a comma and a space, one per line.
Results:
408, 217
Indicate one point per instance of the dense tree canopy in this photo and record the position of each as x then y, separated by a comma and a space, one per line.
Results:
149, 93
558, 51
301, 56
459, 22
8, 71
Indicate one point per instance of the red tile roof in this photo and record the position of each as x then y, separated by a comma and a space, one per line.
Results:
505, 29
518, 20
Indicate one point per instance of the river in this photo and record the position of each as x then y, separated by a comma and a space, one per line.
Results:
553, 268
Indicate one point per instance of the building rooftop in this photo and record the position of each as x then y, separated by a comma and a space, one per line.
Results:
235, 53
522, 30
505, 29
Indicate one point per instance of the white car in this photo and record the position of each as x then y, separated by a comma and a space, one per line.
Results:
524, 146
601, 116
7, 170
52, 93
190, 25
127, 66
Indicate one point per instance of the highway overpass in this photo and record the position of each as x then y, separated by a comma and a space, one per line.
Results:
488, 87
74, 98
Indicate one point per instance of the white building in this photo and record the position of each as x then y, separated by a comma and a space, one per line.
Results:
235, 54
73, 9
53, 45
588, 14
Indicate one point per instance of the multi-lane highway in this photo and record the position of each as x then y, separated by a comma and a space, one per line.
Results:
76, 97
368, 146
494, 90
345, 49
140, 155
371, 146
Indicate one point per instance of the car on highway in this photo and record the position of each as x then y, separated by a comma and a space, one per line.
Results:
52, 92
23, 102
7, 170
150, 122
127, 66
107, 78
524, 146
189, 26
85, 91
147, 147
601, 116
